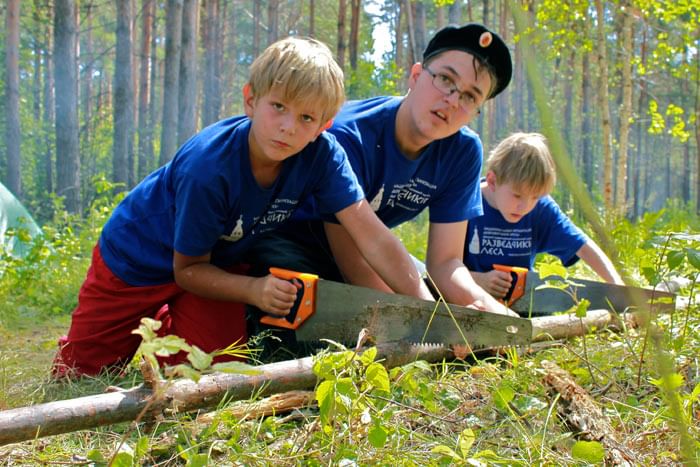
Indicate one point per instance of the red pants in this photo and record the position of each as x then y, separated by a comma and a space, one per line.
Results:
109, 309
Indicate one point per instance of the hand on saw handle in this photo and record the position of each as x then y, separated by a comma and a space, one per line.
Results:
495, 282
276, 295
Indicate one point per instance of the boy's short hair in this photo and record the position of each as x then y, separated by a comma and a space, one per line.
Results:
303, 69
524, 160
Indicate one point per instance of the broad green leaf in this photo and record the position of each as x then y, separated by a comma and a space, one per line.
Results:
325, 395
198, 460
368, 356
589, 451
96, 456
199, 359
377, 436
169, 345
123, 459
184, 371
466, 440
670, 382
551, 269
693, 257
503, 395
582, 308
378, 377
674, 259
445, 451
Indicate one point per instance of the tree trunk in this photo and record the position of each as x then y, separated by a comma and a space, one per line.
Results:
273, 20
49, 109
145, 136
173, 27
355, 13
67, 155
603, 99
454, 15
340, 53
697, 134
419, 29
12, 126
626, 107
412, 55
187, 82
398, 34
312, 18
212, 72
123, 97
257, 18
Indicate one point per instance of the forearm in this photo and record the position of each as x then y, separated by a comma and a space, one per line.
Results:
456, 284
599, 262
209, 281
389, 256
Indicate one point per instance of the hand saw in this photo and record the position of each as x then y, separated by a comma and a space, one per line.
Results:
331, 310
530, 295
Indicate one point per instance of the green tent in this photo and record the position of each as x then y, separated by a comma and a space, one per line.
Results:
14, 216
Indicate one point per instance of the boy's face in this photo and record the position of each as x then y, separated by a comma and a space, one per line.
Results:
513, 201
279, 128
436, 112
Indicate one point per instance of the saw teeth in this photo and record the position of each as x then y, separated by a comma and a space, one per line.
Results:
427, 345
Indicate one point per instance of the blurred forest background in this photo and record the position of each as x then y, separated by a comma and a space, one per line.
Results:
108, 90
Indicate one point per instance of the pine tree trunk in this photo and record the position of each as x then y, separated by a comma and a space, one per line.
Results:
12, 126
603, 99
340, 52
67, 151
272, 21
312, 18
145, 136
173, 38
355, 13
626, 107
187, 82
123, 96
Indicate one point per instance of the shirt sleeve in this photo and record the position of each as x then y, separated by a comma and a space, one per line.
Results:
459, 198
559, 236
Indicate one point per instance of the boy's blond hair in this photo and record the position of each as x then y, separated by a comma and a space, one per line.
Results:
303, 69
524, 160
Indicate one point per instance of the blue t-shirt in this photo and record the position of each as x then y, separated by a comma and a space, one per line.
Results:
207, 200
445, 177
491, 239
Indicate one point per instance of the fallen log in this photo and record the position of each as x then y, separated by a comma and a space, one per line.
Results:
584, 415
564, 326
184, 395
64, 416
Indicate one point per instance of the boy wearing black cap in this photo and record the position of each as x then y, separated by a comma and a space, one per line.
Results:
411, 153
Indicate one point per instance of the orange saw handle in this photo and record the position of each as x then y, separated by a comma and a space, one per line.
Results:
518, 276
304, 305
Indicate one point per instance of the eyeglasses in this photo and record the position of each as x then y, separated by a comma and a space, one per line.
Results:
447, 86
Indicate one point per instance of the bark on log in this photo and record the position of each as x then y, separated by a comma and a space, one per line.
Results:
583, 414
565, 326
276, 404
26, 423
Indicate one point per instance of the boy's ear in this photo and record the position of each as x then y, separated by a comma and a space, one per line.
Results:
491, 180
328, 124
248, 99
416, 70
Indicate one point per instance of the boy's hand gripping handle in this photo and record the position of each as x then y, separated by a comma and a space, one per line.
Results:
517, 286
304, 305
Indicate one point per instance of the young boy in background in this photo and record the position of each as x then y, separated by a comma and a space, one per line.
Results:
172, 248
521, 219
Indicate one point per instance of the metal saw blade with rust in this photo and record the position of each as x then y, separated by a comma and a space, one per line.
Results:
342, 310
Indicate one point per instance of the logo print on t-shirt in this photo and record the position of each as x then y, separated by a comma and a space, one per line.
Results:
474, 244
236, 233
377, 201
